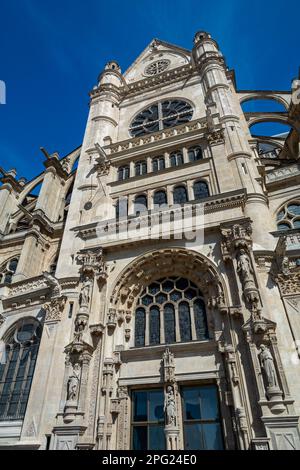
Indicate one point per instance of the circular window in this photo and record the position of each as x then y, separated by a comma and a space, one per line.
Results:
161, 116
157, 67
289, 216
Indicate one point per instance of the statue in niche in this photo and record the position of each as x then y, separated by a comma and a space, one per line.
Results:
84, 297
244, 266
170, 407
267, 364
73, 383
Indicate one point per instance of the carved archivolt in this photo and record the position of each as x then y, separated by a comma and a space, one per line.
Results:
164, 263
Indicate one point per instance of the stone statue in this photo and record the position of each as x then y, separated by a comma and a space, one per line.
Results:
170, 407
244, 266
267, 364
73, 383
84, 297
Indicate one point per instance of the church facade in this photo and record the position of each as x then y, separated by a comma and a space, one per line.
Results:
150, 291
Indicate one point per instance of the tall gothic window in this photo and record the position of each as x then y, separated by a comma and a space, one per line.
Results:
17, 370
289, 216
161, 116
170, 309
140, 327
154, 325
140, 168
140, 204
200, 190
160, 198
176, 159
8, 270
180, 195
195, 153
123, 173
158, 163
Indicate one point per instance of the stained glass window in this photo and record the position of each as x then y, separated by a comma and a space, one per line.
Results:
154, 326
289, 216
200, 319
173, 298
195, 153
8, 270
176, 159
169, 320
140, 168
123, 173
160, 198
140, 324
16, 372
185, 322
200, 190
158, 164
161, 116
180, 195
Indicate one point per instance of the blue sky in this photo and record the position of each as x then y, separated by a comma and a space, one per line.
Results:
52, 52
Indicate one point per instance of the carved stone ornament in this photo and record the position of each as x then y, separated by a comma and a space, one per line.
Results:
267, 365
168, 366
170, 407
53, 283
215, 137
92, 264
2, 319
235, 237
289, 284
73, 383
102, 162
54, 309
143, 271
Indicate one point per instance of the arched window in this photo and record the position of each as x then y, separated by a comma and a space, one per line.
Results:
195, 153
200, 319
160, 198
169, 323
16, 373
161, 116
140, 324
158, 163
123, 173
185, 321
154, 326
180, 304
140, 168
200, 190
180, 195
8, 270
176, 159
289, 216
140, 204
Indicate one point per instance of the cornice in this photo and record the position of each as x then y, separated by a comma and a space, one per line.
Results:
211, 204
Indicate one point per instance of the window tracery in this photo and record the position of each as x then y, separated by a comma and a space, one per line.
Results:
289, 216
178, 304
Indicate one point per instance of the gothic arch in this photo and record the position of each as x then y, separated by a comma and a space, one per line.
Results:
162, 263
265, 96
281, 118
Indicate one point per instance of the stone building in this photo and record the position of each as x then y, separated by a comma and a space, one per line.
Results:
150, 295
